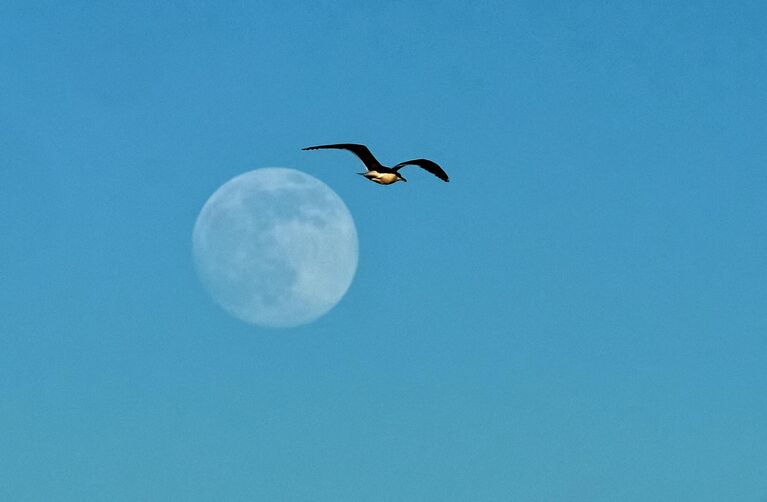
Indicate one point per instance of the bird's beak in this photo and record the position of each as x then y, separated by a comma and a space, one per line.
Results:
402, 179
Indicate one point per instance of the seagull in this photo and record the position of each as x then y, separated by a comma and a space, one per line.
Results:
378, 173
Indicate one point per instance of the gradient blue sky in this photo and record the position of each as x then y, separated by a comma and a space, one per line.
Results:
581, 314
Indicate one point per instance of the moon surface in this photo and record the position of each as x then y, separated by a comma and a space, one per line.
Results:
275, 247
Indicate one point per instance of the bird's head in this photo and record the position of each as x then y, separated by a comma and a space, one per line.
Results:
400, 178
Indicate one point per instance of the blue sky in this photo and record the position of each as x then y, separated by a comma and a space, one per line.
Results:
579, 315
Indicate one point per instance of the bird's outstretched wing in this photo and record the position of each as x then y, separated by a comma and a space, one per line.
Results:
426, 164
360, 151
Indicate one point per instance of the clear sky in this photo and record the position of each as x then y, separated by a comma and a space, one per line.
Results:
580, 314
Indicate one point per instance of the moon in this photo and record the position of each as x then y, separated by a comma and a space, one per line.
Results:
275, 247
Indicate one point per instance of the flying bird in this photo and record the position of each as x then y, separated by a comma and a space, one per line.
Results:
378, 173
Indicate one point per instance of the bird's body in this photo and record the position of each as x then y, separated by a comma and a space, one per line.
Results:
381, 178
378, 173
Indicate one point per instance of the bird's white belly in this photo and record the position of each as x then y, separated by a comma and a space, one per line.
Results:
384, 178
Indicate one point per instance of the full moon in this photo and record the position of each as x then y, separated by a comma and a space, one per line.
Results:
275, 247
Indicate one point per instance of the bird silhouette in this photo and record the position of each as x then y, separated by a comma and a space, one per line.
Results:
378, 173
